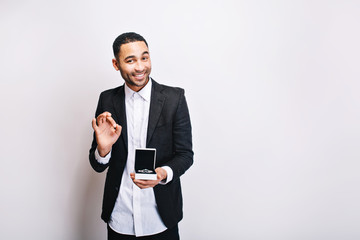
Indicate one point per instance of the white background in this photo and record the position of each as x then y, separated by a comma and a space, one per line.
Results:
274, 95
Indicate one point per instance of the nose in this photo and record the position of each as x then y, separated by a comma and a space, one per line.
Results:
139, 67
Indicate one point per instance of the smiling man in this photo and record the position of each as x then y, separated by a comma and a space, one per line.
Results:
141, 114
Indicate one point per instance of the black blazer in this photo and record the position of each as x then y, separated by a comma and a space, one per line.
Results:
169, 131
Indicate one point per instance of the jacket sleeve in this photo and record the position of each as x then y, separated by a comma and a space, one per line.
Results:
182, 139
98, 167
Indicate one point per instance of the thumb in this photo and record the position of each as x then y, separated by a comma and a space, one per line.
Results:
93, 123
161, 173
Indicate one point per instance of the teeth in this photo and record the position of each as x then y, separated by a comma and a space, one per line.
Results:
139, 75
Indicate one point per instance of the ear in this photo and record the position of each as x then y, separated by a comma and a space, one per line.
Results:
115, 64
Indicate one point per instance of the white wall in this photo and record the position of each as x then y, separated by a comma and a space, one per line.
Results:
273, 90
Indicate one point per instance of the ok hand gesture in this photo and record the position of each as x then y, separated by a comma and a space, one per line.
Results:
107, 132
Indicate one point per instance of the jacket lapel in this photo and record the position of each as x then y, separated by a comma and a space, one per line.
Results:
156, 104
120, 111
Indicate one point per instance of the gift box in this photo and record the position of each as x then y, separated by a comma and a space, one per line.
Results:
145, 163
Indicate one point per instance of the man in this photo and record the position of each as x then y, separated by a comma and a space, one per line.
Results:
141, 114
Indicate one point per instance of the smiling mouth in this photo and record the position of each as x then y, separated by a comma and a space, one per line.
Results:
139, 76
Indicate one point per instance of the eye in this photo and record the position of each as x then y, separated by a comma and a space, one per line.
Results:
130, 61
145, 58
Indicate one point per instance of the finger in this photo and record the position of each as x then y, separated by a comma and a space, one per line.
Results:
140, 186
158, 173
161, 173
93, 123
111, 121
102, 116
140, 183
137, 183
118, 129
103, 119
107, 114
99, 119
147, 183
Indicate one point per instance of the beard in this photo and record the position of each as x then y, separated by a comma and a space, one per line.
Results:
133, 79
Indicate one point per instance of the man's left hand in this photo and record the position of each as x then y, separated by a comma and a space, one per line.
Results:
161, 175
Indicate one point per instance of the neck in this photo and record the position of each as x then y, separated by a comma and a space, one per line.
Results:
137, 88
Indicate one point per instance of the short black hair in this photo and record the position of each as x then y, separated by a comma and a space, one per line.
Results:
126, 38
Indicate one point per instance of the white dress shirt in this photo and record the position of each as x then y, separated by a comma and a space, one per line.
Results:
135, 211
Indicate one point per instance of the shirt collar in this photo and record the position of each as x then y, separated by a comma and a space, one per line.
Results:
145, 92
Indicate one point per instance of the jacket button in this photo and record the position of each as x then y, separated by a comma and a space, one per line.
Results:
117, 189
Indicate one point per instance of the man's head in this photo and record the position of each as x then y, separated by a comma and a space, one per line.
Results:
126, 38
132, 58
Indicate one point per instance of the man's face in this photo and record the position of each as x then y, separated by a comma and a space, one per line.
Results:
134, 64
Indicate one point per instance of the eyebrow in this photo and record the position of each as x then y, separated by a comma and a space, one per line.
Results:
133, 56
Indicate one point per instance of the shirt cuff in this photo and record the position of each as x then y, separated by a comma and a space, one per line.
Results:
102, 160
169, 173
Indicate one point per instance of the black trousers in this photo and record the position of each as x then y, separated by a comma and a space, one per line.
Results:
168, 234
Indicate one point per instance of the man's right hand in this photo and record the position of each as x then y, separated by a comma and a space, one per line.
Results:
107, 132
